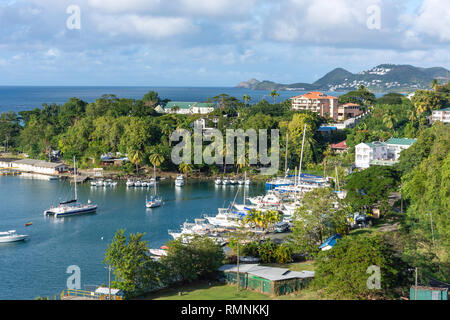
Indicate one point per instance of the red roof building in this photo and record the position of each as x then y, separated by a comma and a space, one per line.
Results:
318, 102
339, 147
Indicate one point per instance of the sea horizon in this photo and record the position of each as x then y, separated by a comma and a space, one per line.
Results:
22, 98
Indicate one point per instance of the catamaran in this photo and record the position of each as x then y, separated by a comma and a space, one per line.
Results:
11, 236
155, 200
71, 207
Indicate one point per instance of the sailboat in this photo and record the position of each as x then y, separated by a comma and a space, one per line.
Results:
155, 200
71, 207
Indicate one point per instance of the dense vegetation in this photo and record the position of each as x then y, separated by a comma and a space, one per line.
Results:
422, 177
137, 273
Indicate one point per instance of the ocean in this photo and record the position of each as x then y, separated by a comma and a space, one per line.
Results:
37, 267
20, 98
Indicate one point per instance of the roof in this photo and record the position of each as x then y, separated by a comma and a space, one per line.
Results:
39, 163
188, 105
373, 144
331, 241
315, 95
325, 128
446, 109
401, 141
103, 290
339, 145
350, 104
269, 273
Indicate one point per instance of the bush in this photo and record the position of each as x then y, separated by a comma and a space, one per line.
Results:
343, 270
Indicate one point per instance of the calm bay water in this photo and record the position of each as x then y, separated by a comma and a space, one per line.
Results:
19, 98
38, 266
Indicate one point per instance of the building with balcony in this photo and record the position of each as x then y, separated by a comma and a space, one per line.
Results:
442, 115
318, 102
381, 153
348, 111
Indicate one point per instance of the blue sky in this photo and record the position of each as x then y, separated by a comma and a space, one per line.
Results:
213, 43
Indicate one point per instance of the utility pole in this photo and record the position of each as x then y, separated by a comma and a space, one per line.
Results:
415, 288
238, 265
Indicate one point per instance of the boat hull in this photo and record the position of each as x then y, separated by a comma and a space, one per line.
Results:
72, 212
14, 239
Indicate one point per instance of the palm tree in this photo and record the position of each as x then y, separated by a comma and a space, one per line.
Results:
136, 158
434, 85
412, 115
389, 119
156, 158
246, 99
186, 168
274, 94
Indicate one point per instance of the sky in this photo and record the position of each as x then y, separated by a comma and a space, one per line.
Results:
213, 42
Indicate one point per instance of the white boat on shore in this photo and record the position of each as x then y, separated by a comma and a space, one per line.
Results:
11, 236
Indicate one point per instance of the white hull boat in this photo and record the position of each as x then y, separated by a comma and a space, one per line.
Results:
12, 236
179, 182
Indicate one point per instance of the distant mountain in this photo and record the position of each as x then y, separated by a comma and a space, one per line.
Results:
382, 78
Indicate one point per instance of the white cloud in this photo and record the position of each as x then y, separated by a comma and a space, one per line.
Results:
143, 26
434, 19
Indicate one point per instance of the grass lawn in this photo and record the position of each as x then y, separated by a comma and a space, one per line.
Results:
203, 291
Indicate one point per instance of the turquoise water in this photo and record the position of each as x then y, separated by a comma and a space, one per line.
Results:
38, 266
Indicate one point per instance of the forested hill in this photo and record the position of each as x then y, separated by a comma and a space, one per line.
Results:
385, 78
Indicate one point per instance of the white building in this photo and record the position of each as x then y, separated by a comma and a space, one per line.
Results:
380, 153
39, 166
442, 115
189, 108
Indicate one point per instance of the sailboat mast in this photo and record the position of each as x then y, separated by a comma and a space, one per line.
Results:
287, 147
301, 156
154, 178
75, 177
245, 178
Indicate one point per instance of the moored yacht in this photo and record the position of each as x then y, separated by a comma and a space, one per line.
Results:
71, 207
154, 201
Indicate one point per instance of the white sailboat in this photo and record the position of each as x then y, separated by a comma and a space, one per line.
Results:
71, 207
155, 200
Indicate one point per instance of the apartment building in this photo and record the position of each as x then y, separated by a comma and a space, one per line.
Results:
318, 102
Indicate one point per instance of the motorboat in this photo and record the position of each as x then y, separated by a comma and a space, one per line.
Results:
11, 236
218, 182
225, 182
130, 183
138, 184
179, 182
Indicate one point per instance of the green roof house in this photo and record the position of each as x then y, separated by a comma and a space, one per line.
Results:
381, 153
188, 107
